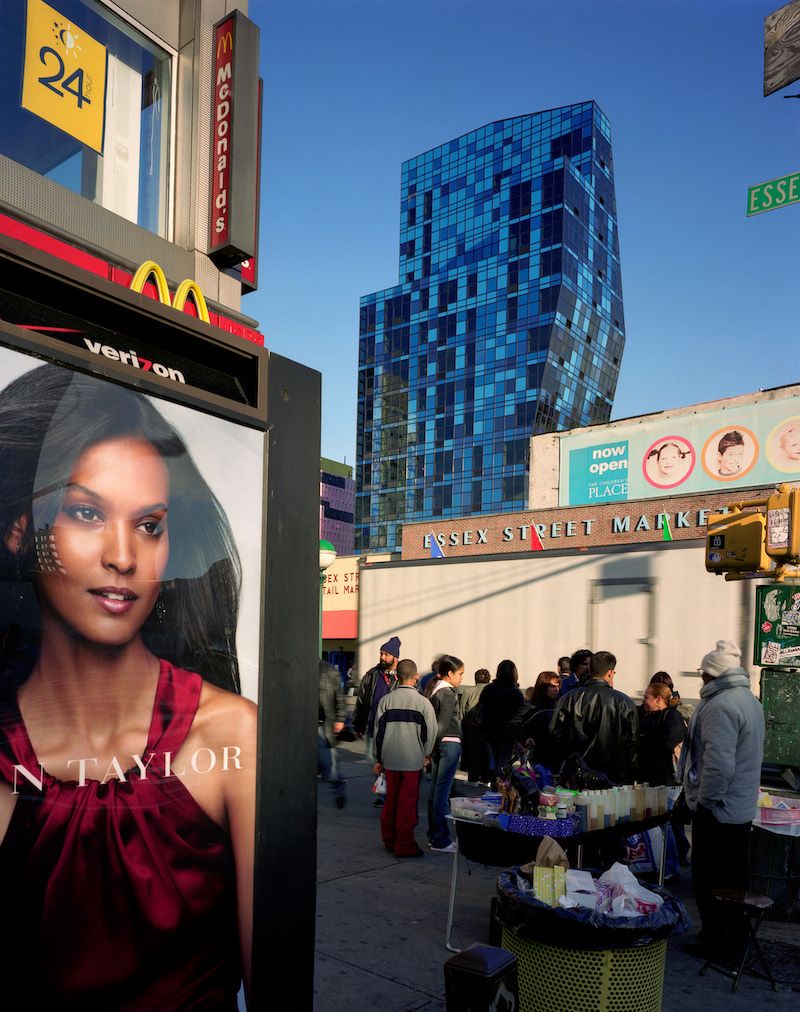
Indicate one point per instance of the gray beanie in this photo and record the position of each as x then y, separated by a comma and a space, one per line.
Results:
724, 656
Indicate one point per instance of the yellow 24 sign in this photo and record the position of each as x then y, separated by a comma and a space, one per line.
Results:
64, 80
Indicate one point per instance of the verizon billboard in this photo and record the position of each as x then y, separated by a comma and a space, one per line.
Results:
235, 135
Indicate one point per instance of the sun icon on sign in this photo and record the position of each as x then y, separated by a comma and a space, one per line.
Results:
65, 34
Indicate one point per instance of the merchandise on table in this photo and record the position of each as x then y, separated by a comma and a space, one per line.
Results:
562, 812
616, 893
778, 810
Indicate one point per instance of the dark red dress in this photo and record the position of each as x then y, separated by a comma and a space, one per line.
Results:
118, 895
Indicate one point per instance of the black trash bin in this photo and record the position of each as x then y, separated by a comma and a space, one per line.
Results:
481, 978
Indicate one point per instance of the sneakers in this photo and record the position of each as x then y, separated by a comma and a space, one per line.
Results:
449, 849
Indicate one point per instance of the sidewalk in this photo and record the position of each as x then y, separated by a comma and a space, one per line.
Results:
381, 921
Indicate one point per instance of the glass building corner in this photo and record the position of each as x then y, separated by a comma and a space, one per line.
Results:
507, 320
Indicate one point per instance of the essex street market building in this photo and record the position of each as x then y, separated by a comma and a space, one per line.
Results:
610, 553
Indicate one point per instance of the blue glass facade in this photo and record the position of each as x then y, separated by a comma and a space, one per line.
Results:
507, 320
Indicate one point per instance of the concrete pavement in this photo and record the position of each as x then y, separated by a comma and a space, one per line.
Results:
381, 921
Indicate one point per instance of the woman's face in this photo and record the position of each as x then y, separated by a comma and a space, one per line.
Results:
553, 689
109, 543
668, 459
653, 702
455, 677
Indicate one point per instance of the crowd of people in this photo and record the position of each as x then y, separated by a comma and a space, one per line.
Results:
713, 750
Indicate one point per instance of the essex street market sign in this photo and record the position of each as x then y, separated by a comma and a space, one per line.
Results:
594, 525
773, 194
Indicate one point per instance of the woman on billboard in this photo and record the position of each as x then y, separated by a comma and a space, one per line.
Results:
127, 757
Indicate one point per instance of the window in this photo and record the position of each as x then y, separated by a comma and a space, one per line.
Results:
130, 172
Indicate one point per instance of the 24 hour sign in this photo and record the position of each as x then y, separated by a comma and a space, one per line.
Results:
64, 80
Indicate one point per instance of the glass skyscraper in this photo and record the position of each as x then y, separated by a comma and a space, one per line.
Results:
507, 320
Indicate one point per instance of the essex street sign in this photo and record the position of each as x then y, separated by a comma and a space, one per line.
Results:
776, 193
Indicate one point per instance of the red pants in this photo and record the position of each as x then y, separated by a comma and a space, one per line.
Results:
399, 813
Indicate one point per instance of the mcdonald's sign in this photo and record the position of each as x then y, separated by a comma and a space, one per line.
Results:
185, 290
235, 133
224, 42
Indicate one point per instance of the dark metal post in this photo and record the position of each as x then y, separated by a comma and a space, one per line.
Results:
285, 880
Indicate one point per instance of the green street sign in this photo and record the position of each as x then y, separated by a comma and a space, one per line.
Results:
775, 193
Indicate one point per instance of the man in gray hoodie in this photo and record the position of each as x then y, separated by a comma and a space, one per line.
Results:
405, 734
721, 769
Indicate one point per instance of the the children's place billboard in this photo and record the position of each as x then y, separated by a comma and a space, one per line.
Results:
729, 448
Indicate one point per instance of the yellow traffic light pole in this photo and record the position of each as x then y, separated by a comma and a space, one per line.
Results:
756, 537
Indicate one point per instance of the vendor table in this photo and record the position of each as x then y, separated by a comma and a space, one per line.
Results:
489, 845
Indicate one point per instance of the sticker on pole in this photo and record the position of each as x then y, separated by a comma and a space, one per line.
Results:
64, 80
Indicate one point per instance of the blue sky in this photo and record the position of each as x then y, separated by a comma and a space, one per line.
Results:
354, 87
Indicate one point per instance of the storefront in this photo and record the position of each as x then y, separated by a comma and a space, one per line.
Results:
157, 631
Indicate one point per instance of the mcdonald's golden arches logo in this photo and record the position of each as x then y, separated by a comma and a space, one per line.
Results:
225, 43
185, 290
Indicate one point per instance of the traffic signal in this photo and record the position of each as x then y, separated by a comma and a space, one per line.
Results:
783, 525
735, 543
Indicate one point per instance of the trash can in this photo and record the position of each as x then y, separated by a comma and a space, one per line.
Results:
775, 871
581, 960
481, 978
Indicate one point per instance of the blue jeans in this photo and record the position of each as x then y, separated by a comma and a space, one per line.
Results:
328, 764
443, 771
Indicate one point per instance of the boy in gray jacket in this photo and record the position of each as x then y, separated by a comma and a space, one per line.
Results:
405, 734
721, 767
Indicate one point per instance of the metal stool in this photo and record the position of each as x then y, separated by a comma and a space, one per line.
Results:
753, 907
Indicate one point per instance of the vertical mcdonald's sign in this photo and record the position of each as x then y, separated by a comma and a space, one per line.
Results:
234, 141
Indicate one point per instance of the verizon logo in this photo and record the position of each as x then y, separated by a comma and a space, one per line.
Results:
133, 359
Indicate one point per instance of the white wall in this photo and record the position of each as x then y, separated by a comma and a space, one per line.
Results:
537, 607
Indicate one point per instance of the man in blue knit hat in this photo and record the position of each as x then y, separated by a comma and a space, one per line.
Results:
376, 683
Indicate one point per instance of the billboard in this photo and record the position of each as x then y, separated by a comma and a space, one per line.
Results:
781, 47
130, 582
728, 448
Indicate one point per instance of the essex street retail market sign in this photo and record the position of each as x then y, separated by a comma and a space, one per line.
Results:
776, 193
675, 518
620, 525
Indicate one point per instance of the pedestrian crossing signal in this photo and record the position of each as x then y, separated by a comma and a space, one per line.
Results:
735, 543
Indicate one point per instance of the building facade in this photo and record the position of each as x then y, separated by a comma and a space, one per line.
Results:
507, 319
120, 140
128, 222
337, 496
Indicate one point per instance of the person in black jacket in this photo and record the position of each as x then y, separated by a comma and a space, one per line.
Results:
476, 760
500, 701
532, 722
447, 751
332, 712
599, 723
377, 682
661, 730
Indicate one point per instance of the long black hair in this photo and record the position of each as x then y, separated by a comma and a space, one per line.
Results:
445, 665
48, 418
507, 674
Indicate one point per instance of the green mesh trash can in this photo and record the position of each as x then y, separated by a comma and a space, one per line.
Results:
551, 978
581, 960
